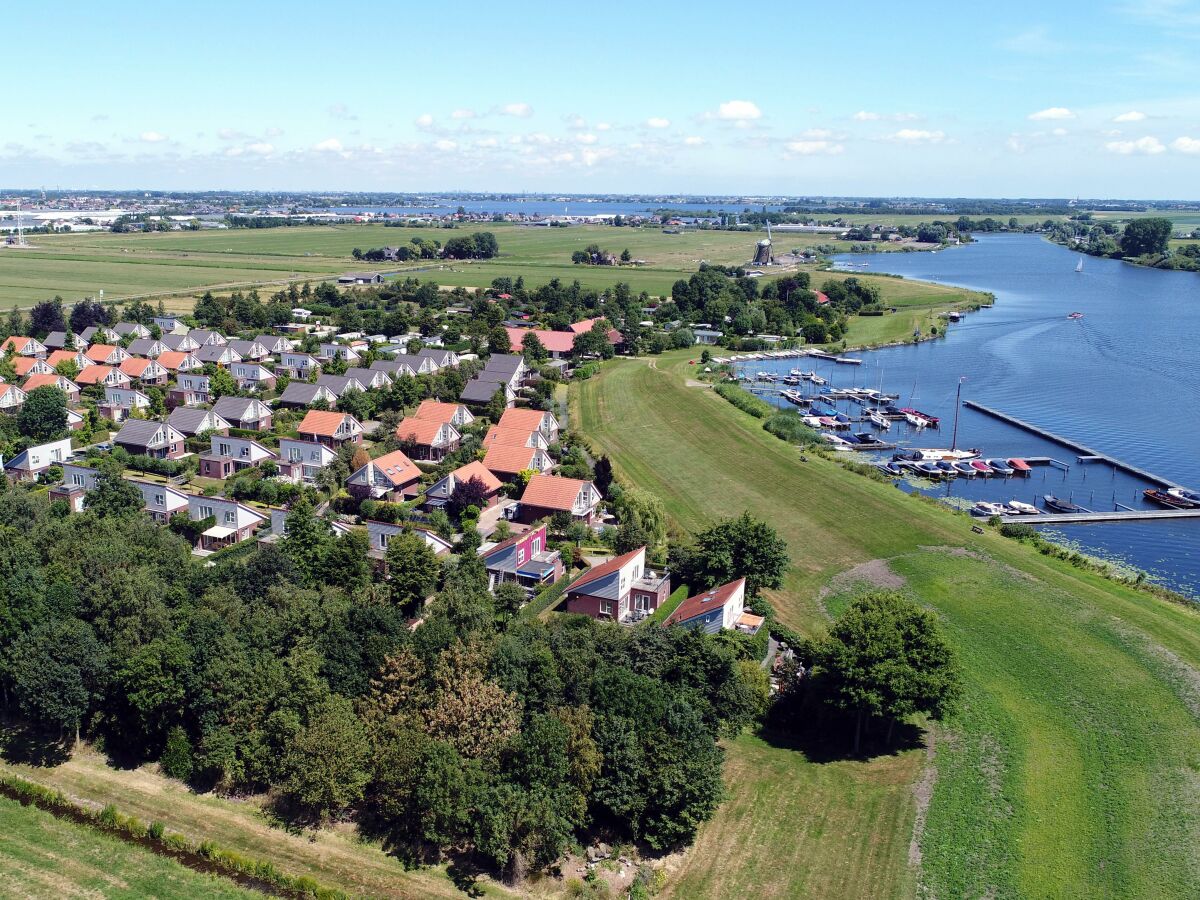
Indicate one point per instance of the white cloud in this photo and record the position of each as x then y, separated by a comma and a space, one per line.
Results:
463, 114
1059, 132
152, 137
1035, 41
260, 148
229, 134
487, 142
424, 121
591, 156
658, 122
340, 111
233, 151
1132, 116
819, 134
694, 140
586, 138
917, 136
445, 145
520, 110
738, 111
1051, 113
329, 145
273, 132
563, 157
576, 122
538, 137
814, 148
603, 126
1148, 146
1015, 144
864, 115
1186, 144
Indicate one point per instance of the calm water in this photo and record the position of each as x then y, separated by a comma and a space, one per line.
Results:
1125, 381
542, 207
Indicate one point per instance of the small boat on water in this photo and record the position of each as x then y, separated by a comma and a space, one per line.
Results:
1173, 501
936, 453
1000, 466
1023, 509
878, 421
964, 468
1079, 265
1075, 315
847, 361
1184, 494
827, 421
1020, 467
1058, 505
911, 414
817, 379
947, 468
889, 468
986, 510
981, 467
796, 373
929, 469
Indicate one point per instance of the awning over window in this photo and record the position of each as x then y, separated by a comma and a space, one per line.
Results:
220, 531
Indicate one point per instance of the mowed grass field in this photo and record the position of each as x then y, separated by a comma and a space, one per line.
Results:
334, 857
41, 856
1073, 769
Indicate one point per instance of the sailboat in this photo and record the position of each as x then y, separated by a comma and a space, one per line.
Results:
1079, 265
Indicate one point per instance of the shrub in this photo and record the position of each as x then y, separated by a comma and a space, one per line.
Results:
789, 426
176, 759
1020, 531
745, 401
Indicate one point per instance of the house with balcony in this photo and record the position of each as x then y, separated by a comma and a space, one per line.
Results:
77, 482
440, 492
145, 437
244, 412
147, 348
119, 403
77, 358
108, 376
217, 355
106, 354
192, 421
24, 366
546, 495
135, 330
190, 389
333, 429
207, 338
371, 379
181, 343
33, 461
227, 455
250, 351
160, 501
99, 334
531, 420
63, 340
622, 589
232, 522
19, 345
451, 413
170, 324
524, 559
301, 461
252, 376
297, 365
379, 533
274, 344
64, 384
179, 361
146, 372
443, 359
344, 352
299, 394
507, 461
514, 437
721, 607
392, 476
12, 398
428, 439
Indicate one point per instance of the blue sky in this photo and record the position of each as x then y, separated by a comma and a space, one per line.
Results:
1014, 99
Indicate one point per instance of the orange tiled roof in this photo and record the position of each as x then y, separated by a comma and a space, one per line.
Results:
134, 367
172, 359
525, 419
476, 469
16, 343
420, 431
93, 374
98, 353
326, 424
552, 492
23, 364
59, 356
553, 341
714, 598
513, 437
507, 459
437, 411
38, 381
397, 468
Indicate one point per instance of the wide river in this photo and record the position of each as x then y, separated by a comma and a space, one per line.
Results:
1124, 380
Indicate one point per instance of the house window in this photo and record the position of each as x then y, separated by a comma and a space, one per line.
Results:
230, 517
641, 603
160, 499
520, 555
606, 607
383, 539
295, 454
535, 546
245, 452
77, 480
206, 512
223, 449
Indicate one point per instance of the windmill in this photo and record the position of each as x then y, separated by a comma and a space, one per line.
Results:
762, 252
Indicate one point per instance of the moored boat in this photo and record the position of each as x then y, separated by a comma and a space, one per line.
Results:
987, 510
964, 468
1020, 466
1163, 498
1022, 509
981, 467
999, 466
1058, 505
1184, 494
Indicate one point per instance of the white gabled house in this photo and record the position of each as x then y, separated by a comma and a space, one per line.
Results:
233, 521
379, 533
300, 461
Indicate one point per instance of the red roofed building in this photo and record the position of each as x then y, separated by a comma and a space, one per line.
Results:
106, 354
822, 297
451, 413
333, 429
54, 380
620, 589
717, 608
73, 356
24, 366
392, 477
441, 492
506, 461
428, 439
146, 371
547, 494
23, 346
531, 420
105, 375
558, 344
517, 437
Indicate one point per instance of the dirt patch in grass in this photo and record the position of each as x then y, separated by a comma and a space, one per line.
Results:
923, 793
875, 573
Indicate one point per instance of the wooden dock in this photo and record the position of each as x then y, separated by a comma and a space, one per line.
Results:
1136, 515
1086, 454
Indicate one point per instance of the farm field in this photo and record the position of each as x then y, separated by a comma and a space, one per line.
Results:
334, 857
1070, 770
41, 856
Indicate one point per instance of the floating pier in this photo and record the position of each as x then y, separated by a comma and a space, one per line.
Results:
1120, 515
1086, 454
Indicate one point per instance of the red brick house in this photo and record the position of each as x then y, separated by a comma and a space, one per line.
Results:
717, 608
546, 495
522, 558
621, 589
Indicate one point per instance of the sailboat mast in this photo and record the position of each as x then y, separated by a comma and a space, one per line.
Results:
957, 398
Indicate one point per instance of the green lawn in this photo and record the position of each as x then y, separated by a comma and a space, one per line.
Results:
41, 856
1072, 769
335, 857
